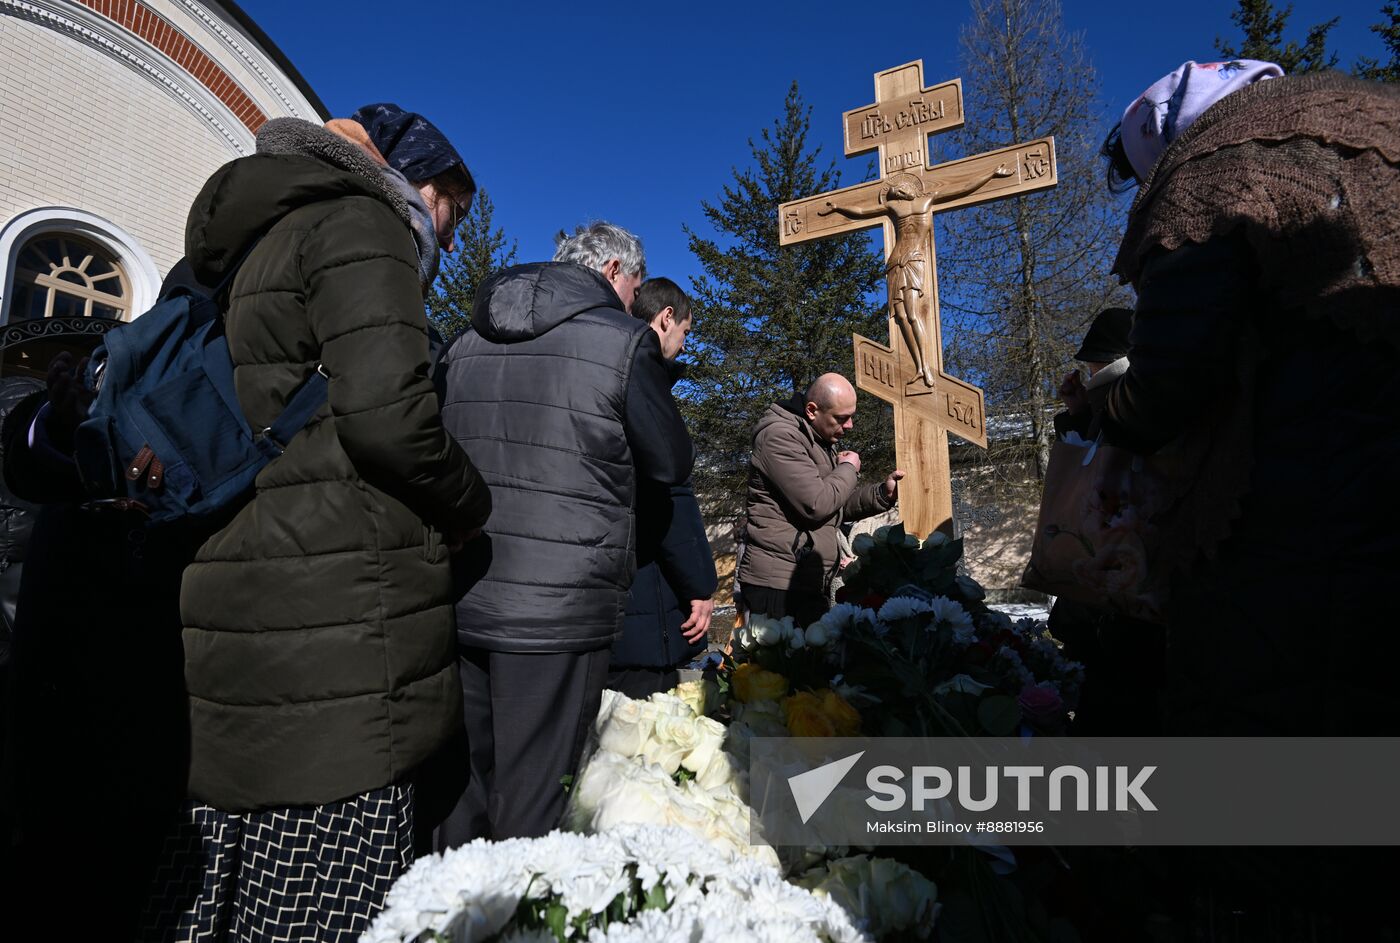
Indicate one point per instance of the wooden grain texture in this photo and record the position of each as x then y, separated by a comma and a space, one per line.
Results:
908, 374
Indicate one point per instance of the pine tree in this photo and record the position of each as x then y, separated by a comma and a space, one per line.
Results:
1389, 32
770, 319
481, 252
1022, 278
1263, 26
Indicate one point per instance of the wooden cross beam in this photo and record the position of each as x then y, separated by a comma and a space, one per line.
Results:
928, 403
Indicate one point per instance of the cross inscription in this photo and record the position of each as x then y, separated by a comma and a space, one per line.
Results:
908, 374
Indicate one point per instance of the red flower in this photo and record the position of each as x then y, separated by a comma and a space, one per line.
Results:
873, 601
1041, 702
979, 653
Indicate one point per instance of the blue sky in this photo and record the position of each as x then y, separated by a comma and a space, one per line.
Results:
635, 112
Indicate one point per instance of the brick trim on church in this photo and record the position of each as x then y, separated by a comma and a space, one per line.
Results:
163, 35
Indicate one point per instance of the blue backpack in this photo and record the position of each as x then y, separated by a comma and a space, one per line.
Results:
165, 434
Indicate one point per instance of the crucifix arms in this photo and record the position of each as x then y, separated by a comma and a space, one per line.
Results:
1008, 171
905, 196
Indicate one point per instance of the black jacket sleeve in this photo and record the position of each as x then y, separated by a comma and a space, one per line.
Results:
1192, 305
656, 433
43, 472
684, 554
1067, 422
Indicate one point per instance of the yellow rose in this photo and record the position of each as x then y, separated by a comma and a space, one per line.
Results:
752, 683
844, 717
805, 717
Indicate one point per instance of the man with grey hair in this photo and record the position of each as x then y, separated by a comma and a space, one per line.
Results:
610, 250
564, 403
801, 490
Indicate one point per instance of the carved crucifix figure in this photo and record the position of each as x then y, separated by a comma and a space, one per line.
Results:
905, 202
909, 373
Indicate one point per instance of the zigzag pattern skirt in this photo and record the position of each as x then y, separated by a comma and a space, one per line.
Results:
308, 873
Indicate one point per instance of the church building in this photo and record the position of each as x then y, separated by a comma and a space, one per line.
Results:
113, 113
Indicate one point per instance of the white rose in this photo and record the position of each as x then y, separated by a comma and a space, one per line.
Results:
817, 635
605, 774
744, 636
797, 639
670, 705
671, 739
605, 785
766, 631
609, 700
700, 695
638, 801
709, 742
627, 726
902, 899
763, 719
723, 769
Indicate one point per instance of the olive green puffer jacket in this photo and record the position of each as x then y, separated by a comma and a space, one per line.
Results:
319, 644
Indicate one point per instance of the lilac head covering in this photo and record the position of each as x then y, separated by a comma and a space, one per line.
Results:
1172, 103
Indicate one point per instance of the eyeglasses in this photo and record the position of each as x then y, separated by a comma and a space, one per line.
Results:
459, 213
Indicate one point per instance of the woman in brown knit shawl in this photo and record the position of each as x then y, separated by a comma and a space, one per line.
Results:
1264, 244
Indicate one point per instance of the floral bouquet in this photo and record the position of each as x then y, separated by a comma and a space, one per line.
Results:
920, 635
662, 762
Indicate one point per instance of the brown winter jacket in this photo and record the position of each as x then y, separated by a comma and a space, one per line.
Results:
798, 496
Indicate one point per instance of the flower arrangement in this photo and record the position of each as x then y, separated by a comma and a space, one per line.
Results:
633, 883
661, 763
657, 762
943, 662
661, 799
891, 897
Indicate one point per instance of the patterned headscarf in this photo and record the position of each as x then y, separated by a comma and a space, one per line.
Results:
409, 142
1159, 115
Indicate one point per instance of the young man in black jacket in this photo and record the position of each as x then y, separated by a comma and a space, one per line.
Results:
668, 610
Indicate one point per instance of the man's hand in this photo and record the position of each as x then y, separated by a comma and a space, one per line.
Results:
890, 489
850, 458
695, 628
1073, 394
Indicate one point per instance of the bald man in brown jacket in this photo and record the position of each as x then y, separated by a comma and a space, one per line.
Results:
801, 489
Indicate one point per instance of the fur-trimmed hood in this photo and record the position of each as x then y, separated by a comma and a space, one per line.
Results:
298, 162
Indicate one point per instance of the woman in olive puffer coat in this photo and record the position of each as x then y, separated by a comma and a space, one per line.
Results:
319, 639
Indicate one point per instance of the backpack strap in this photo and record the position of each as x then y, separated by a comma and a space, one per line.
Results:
273, 440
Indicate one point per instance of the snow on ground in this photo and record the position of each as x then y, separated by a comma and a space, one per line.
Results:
1022, 610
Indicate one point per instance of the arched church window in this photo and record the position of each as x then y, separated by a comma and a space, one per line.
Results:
60, 275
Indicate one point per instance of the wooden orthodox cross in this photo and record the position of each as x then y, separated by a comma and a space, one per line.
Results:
928, 403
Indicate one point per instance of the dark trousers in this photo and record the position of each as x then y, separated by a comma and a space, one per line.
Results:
527, 717
641, 683
805, 608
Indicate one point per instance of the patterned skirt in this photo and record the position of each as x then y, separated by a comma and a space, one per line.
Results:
306, 873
